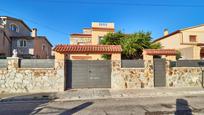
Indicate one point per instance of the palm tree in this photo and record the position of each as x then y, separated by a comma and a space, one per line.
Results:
132, 44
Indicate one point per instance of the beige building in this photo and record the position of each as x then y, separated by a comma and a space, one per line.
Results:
90, 36
15, 34
188, 41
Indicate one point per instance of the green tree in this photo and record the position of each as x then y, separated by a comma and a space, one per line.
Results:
178, 55
132, 44
112, 38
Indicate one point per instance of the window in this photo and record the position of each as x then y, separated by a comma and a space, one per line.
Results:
43, 47
23, 43
192, 38
100, 38
103, 24
14, 27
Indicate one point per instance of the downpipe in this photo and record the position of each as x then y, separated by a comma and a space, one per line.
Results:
202, 78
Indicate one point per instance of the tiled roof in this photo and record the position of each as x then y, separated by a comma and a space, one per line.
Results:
103, 49
167, 35
178, 31
81, 57
159, 52
105, 29
88, 35
11, 18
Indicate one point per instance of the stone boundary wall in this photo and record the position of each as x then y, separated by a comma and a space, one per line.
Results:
131, 78
3, 63
187, 63
17, 80
132, 63
184, 77
37, 63
135, 78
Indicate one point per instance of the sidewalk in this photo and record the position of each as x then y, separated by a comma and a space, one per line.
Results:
27, 97
84, 94
88, 94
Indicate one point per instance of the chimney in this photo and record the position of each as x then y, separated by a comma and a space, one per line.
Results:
166, 32
34, 32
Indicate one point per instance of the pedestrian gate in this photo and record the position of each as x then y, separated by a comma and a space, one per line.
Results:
88, 74
159, 73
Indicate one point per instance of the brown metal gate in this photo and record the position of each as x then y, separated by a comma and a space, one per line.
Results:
159, 73
88, 74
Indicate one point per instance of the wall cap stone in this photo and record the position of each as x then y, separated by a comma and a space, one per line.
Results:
36, 68
13, 58
132, 68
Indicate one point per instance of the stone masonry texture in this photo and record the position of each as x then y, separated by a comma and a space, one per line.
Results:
18, 80
131, 78
21, 80
184, 77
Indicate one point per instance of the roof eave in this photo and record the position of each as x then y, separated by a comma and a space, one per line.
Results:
11, 18
173, 33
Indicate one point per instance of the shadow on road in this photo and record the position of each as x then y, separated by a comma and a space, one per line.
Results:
182, 107
46, 110
77, 108
19, 104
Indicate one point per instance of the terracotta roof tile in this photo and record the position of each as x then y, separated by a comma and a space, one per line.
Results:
81, 35
81, 57
103, 49
105, 29
159, 52
167, 35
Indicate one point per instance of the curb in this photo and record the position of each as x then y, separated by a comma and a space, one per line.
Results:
122, 96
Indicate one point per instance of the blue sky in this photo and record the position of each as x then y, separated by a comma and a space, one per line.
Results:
56, 19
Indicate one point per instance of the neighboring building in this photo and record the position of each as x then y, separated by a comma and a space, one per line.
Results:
5, 44
90, 36
15, 34
189, 42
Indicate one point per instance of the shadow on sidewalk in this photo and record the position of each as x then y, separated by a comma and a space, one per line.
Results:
182, 107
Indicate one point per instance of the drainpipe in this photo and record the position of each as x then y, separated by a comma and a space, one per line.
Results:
202, 78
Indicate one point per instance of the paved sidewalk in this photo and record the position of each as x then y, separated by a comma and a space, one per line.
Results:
87, 94
84, 94
27, 97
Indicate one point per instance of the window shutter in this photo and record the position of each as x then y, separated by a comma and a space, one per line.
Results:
18, 43
24, 43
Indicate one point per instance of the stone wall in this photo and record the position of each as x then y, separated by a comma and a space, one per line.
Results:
134, 78
131, 78
16, 80
184, 77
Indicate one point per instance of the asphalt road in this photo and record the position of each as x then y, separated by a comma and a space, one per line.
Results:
186, 105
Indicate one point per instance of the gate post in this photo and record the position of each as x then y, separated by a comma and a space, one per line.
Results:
116, 56
60, 68
59, 60
168, 71
13, 63
149, 72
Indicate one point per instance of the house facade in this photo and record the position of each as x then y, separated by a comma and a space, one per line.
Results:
15, 34
188, 41
90, 36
